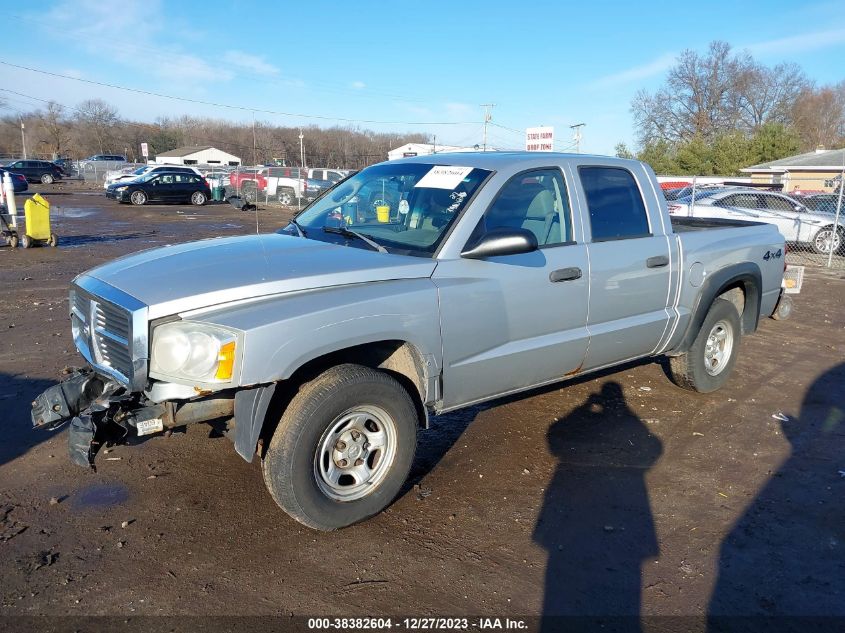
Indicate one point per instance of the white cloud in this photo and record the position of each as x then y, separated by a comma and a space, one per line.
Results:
250, 62
636, 73
800, 43
358, 85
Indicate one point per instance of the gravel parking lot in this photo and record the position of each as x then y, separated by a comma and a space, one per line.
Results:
616, 494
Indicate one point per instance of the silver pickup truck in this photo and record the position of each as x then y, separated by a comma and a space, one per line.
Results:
410, 289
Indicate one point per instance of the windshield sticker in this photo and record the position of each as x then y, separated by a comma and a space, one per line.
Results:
404, 207
444, 177
458, 197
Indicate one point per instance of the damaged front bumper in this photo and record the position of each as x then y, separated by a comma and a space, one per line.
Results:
101, 411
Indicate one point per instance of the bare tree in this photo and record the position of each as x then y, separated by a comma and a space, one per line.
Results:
99, 119
700, 97
819, 116
54, 128
768, 95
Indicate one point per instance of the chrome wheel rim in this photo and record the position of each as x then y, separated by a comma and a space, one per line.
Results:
197, 198
827, 240
138, 197
355, 453
718, 348
285, 199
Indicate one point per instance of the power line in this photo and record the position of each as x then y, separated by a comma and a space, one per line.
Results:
229, 105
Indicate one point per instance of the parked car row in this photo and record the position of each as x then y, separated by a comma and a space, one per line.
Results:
286, 184
797, 221
42, 171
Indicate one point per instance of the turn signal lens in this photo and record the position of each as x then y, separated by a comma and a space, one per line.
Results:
225, 362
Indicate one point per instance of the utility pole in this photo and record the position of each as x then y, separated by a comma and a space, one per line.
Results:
488, 116
23, 139
301, 149
254, 156
577, 137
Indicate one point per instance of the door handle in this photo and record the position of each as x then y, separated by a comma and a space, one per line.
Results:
565, 274
657, 262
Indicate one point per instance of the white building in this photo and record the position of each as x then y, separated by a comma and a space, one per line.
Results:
425, 149
197, 156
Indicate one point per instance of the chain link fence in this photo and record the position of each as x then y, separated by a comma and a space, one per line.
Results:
807, 209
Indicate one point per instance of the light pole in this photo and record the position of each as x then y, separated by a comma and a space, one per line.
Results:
302, 173
487, 118
301, 149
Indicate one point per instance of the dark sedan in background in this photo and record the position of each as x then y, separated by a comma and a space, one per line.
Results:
162, 187
19, 182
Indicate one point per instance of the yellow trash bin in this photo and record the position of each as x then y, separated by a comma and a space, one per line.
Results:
37, 214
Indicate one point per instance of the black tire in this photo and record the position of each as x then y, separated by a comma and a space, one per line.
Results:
47, 179
822, 242
784, 308
138, 198
13, 241
198, 198
689, 370
287, 197
292, 461
27, 242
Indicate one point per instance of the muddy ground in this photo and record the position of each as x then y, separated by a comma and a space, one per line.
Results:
616, 494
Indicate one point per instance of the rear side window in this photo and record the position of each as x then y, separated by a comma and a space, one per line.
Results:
778, 203
742, 201
615, 204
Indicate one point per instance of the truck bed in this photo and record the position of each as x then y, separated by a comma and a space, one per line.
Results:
682, 224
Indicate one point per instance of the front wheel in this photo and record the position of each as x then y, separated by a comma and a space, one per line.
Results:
138, 198
198, 198
46, 179
343, 447
708, 363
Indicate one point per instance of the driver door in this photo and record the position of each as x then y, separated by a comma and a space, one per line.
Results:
516, 321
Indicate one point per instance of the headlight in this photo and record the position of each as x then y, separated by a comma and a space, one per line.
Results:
123, 188
194, 351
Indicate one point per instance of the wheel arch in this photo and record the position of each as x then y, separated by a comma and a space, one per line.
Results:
741, 284
258, 409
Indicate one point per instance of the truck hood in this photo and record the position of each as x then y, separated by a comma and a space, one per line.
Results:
206, 273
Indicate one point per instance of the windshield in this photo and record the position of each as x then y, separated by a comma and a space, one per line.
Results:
699, 195
405, 207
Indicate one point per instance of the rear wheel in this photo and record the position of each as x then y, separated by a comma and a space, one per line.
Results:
138, 198
47, 179
711, 358
198, 198
287, 197
828, 239
27, 241
343, 447
249, 191
784, 308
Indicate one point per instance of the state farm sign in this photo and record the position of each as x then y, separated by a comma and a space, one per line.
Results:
540, 139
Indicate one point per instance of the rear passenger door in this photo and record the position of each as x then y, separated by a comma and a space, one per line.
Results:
629, 268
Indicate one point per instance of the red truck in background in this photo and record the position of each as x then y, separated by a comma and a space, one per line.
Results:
286, 183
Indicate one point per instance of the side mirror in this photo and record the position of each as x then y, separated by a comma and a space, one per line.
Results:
502, 241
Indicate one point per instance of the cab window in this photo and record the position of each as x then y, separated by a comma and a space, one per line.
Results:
616, 207
536, 201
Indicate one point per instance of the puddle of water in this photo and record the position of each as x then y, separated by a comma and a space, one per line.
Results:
101, 496
74, 212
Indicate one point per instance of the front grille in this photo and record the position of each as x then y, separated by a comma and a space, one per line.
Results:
103, 334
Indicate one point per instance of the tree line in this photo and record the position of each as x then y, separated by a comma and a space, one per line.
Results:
722, 110
96, 127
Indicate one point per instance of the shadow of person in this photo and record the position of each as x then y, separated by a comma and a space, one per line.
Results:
16, 396
596, 521
785, 556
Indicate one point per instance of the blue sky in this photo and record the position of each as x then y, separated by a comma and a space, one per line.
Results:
397, 63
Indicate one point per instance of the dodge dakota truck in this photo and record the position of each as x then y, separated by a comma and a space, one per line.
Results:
413, 288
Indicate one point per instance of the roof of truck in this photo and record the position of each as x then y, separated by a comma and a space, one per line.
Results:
498, 160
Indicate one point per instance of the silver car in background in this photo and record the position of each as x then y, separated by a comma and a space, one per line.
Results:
795, 221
